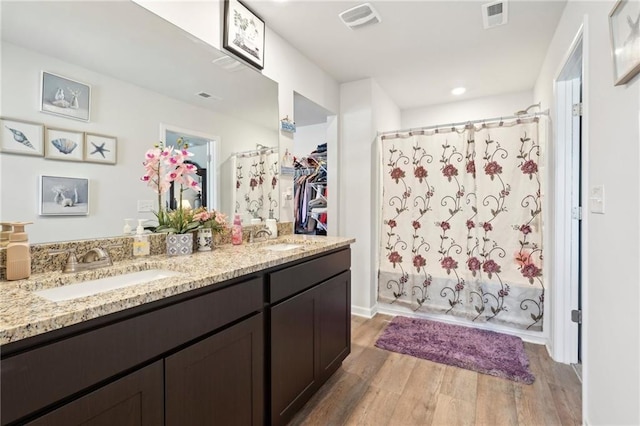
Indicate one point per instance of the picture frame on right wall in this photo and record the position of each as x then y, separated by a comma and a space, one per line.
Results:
624, 21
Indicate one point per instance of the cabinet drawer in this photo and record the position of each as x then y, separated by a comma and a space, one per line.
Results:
297, 278
37, 378
136, 399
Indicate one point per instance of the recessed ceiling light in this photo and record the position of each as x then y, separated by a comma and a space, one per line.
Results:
458, 91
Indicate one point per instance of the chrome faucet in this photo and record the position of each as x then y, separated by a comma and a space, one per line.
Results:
257, 233
92, 259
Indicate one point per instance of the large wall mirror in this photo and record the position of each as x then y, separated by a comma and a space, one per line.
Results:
144, 72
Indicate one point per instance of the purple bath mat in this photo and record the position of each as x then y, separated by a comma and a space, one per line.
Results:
483, 351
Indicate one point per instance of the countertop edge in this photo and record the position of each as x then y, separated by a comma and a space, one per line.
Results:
24, 314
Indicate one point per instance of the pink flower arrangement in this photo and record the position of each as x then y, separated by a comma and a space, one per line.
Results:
213, 219
166, 165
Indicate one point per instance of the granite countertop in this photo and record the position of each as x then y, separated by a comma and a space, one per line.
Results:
24, 314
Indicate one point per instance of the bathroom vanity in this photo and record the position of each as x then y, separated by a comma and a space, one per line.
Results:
245, 335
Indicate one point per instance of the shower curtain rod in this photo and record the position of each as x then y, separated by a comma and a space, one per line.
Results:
467, 123
254, 151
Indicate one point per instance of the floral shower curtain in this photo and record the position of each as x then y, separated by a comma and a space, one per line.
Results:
257, 176
461, 231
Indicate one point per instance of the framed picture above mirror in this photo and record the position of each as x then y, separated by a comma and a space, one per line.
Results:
243, 33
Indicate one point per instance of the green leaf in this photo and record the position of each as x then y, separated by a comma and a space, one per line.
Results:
493, 310
533, 317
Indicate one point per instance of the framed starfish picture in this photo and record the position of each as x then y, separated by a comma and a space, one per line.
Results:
100, 149
624, 27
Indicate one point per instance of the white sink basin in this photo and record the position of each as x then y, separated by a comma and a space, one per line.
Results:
89, 288
282, 247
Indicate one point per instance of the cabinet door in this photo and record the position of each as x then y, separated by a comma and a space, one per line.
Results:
136, 399
218, 381
334, 325
294, 361
310, 336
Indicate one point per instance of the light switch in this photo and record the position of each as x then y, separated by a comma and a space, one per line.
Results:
596, 199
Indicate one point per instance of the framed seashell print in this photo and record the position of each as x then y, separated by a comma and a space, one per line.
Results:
21, 137
100, 148
64, 196
65, 97
63, 144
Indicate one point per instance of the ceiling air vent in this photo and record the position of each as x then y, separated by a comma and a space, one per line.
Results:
360, 16
494, 14
206, 95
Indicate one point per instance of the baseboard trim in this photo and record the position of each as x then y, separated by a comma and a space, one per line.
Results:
364, 312
527, 336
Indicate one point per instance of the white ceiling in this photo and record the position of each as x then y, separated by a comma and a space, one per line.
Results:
421, 49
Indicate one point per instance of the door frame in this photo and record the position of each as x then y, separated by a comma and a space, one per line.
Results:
213, 170
567, 274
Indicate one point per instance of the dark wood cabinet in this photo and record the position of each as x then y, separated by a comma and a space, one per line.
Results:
197, 358
310, 336
334, 324
294, 360
134, 400
218, 380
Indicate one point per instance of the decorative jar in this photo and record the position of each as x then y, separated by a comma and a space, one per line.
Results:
205, 239
179, 244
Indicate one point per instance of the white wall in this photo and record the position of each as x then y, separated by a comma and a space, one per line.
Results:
364, 109
467, 110
611, 343
120, 109
295, 73
198, 18
307, 139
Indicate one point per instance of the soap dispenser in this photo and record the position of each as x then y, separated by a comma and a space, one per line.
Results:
141, 246
272, 226
126, 230
7, 230
236, 230
18, 253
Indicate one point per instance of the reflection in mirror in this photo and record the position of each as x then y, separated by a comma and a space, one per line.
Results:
143, 71
203, 148
257, 188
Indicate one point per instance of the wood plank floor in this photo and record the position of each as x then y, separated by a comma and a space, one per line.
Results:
378, 387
